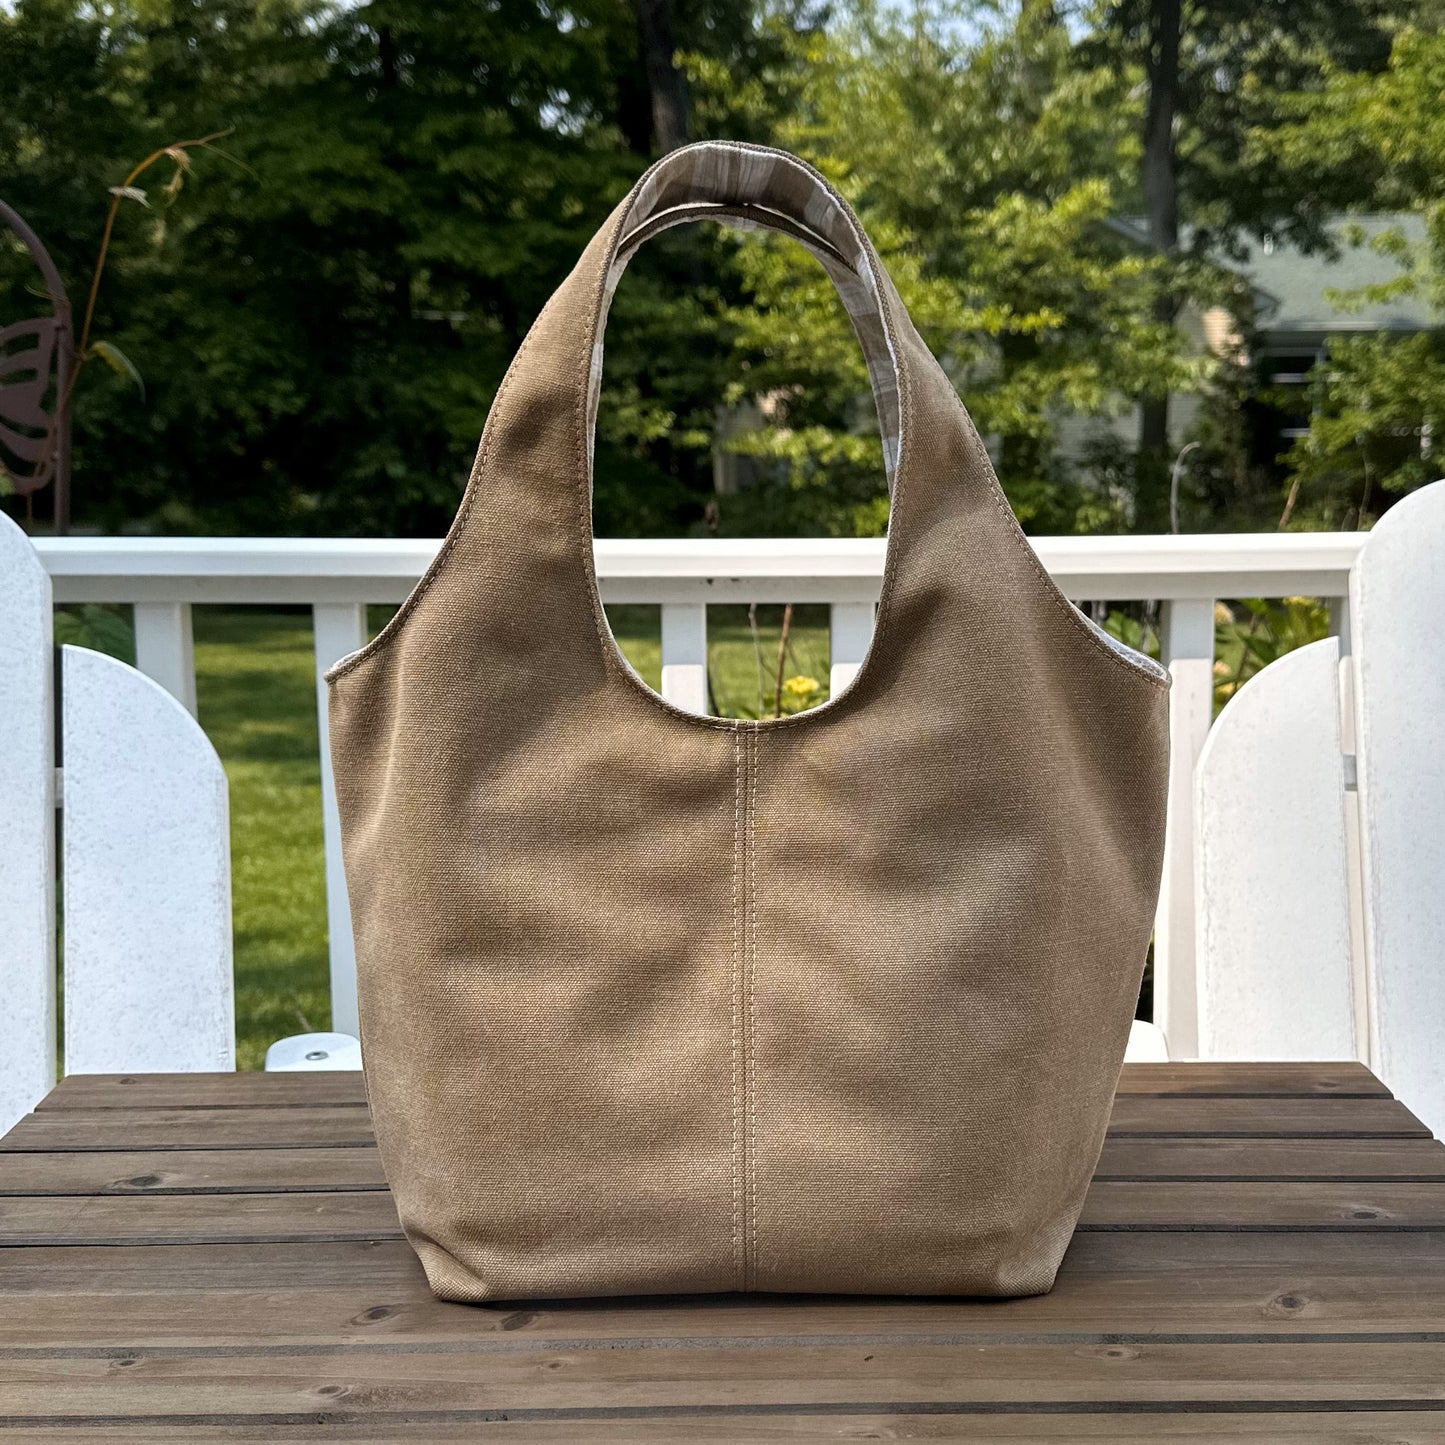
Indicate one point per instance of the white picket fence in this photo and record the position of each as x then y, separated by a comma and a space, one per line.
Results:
1320, 829
1315, 814
162, 578
144, 861
1301, 915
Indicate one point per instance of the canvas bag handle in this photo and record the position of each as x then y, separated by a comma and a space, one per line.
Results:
524, 527
546, 408
754, 188
525, 519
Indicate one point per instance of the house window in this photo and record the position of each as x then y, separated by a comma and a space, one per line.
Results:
1281, 406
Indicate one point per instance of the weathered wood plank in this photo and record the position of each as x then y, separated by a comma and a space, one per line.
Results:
175, 1272
197, 1218
258, 1090
721, 1375
1262, 1257
1344, 1159
1270, 1204
1240, 1306
1366, 1427
252, 1090
339, 1125
273, 1171
295, 1216
326, 1125
1182, 1117
125, 1270
1252, 1080
1112, 1286
185, 1171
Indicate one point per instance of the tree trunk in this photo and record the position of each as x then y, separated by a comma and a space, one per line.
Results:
1161, 204
1020, 454
664, 79
1161, 185
398, 273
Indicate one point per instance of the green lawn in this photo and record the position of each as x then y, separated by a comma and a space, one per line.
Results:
256, 695
255, 690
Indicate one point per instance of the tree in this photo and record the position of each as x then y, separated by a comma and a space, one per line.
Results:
1216, 76
988, 173
323, 324
664, 79
1379, 400
1159, 174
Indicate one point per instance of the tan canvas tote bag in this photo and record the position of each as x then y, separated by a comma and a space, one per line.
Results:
661, 1002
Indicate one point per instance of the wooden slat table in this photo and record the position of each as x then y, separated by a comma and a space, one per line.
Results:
201, 1257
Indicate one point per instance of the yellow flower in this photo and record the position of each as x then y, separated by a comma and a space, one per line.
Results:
801, 686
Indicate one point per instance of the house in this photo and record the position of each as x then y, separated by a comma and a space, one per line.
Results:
1294, 300
1291, 318
1297, 313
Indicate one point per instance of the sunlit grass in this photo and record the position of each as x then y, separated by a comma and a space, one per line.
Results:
255, 689
742, 654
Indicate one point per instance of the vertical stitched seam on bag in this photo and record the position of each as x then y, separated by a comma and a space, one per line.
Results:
752, 1022
743, 986
735, 1009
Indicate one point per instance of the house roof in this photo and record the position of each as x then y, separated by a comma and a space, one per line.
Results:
1291, 286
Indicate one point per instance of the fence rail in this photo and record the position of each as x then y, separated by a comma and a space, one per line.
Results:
162, 577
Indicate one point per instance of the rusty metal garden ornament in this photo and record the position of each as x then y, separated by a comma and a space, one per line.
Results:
36, 357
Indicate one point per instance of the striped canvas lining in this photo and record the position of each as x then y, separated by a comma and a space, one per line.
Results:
1141, 660
750, 191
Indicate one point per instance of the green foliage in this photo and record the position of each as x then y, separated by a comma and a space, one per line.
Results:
1384, 129
1250, 72
1380, 405
1247, 68
1379, 400
101, 628
1133, 630
987, 175
118, 361
1254, 632
1248, 635
323, 318
322, 324
322, 306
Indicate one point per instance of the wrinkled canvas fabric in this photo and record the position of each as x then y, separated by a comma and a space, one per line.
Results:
658, 1002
